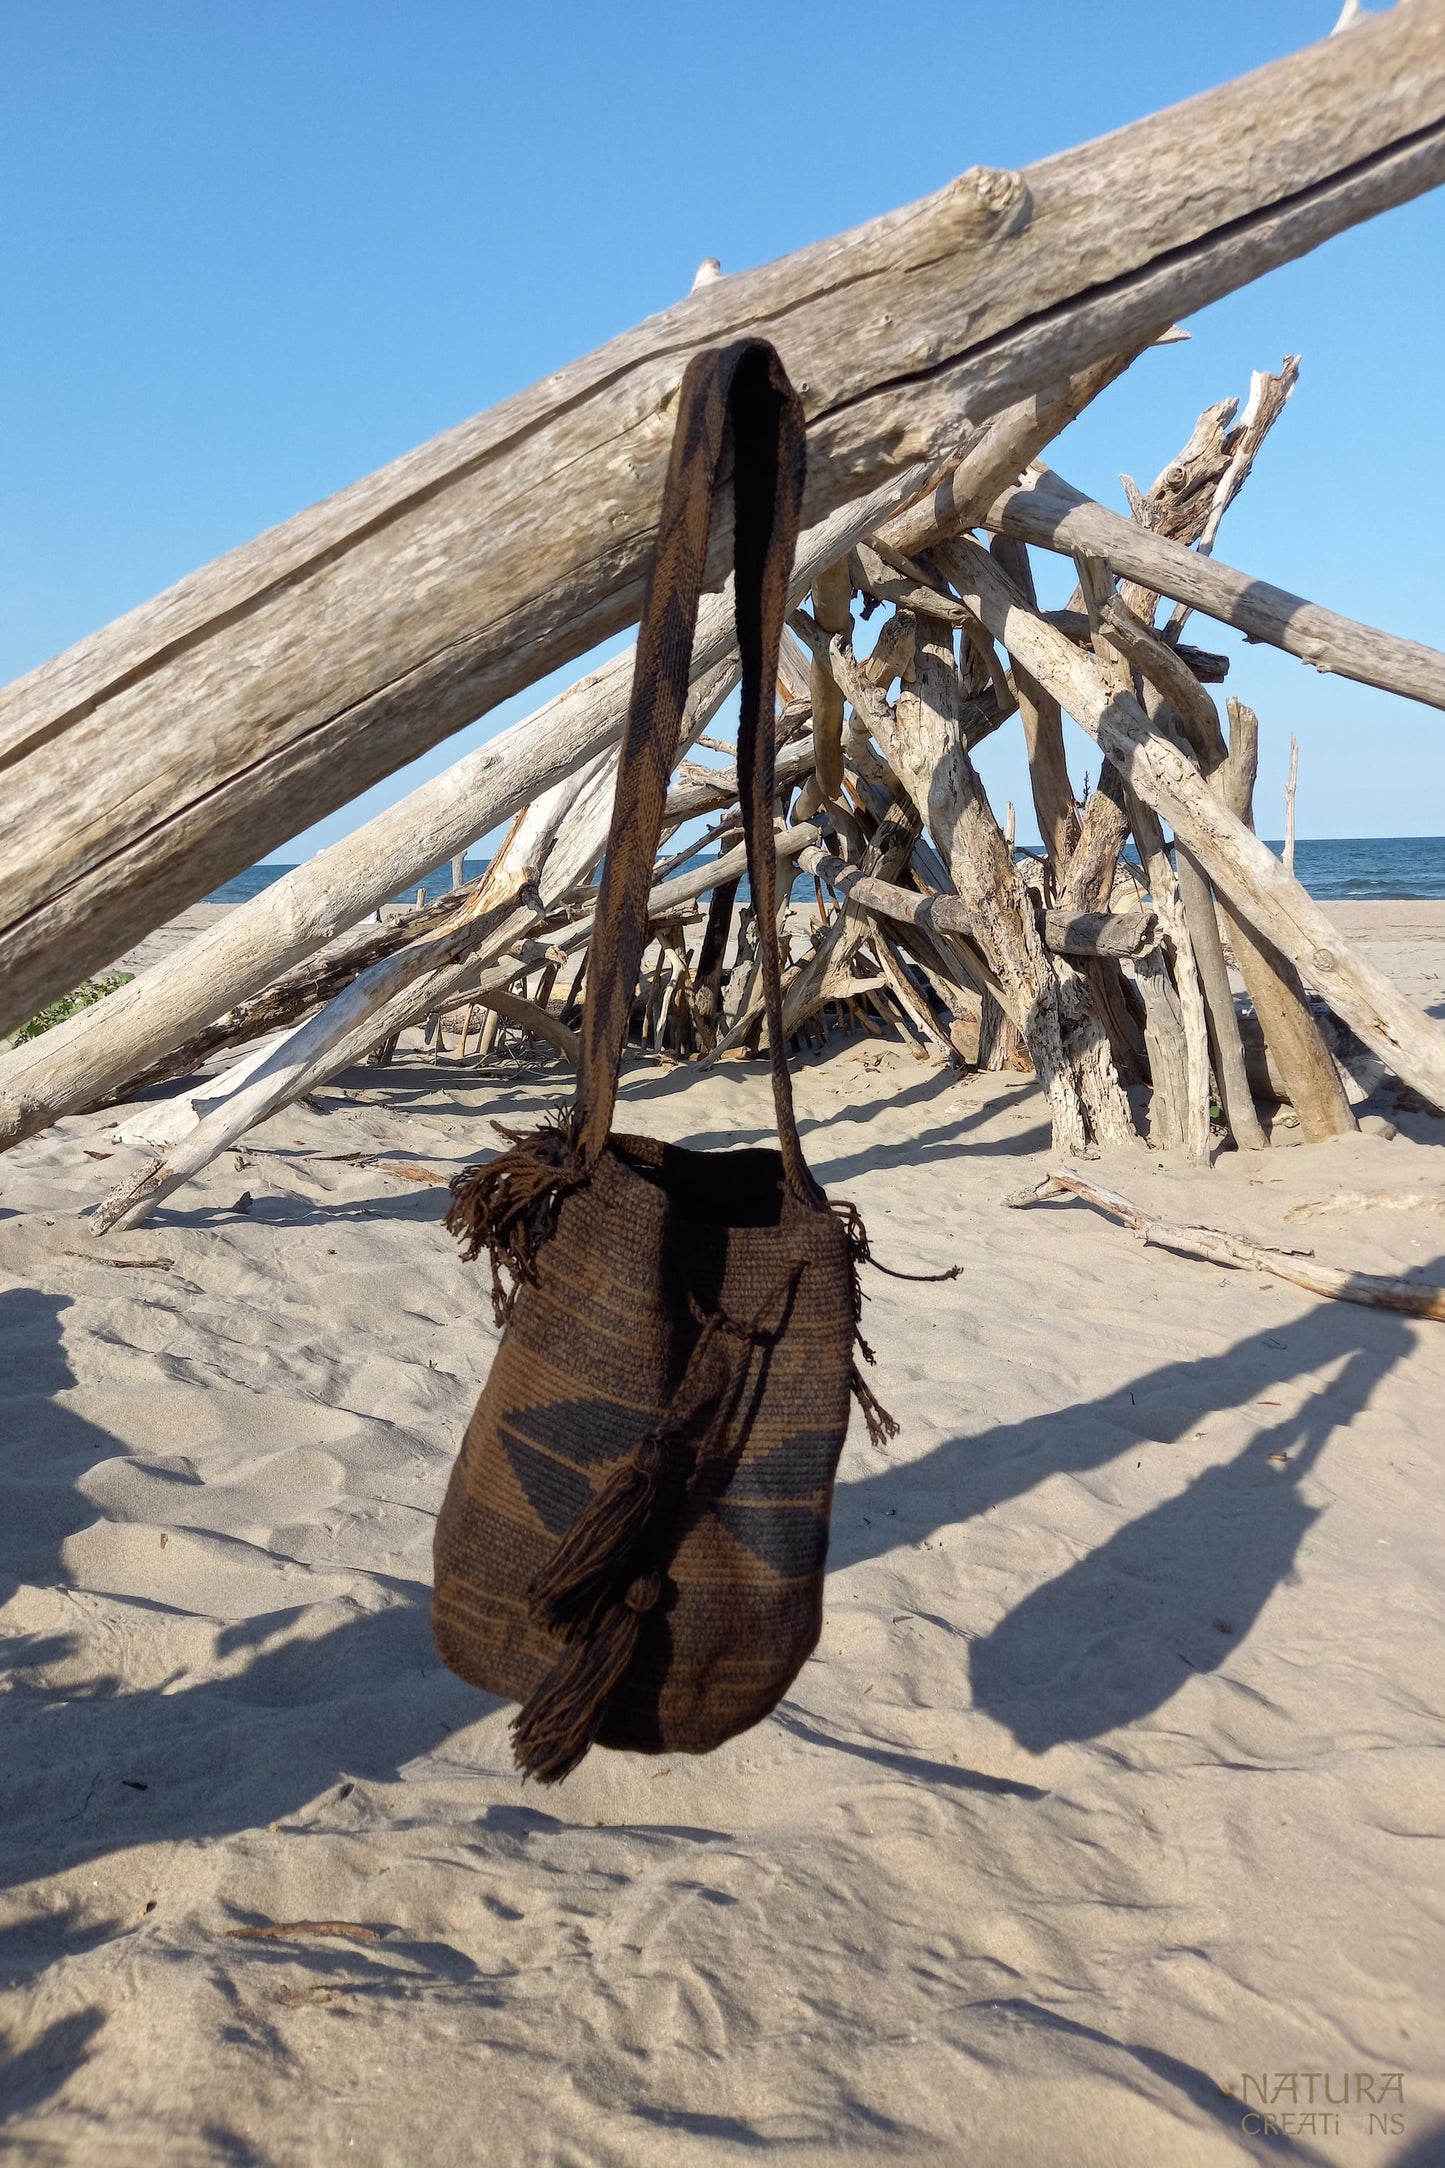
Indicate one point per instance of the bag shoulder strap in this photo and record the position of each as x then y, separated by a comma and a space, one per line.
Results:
744, 384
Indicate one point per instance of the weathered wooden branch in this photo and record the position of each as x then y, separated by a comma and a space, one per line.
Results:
1064, 933
83, 1060
392, 995
1244, 872
292, 996
1047, 511
1053, 793
1291, 1034
926, 750
1374, 1291
266, 690
1159, 674
1268, 396
833, 609
1202, 663
530, 1016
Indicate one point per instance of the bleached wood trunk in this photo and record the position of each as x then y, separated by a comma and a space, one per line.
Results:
1042, 718
382, 1002
1272, 983
266, 690
925, 749
1245, 873
82, 1060
1201, 976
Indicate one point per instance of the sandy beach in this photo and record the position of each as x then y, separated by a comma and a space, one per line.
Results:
1106, 1801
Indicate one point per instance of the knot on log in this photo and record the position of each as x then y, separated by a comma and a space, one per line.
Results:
988, 199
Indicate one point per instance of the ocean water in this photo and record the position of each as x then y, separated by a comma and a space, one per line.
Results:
1332, 868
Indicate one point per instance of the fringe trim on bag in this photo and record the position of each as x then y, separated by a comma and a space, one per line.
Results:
509, 1207
599, 1582
881, 1425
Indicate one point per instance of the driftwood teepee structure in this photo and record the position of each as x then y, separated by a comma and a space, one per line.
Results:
938, 351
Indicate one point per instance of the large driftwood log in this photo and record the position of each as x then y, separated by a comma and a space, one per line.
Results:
1161, 672
381, 1002
1245, 873
1291, 1034
1048, 511
926, 749
1074, 934
266, 690
84, 1059
1374, 1290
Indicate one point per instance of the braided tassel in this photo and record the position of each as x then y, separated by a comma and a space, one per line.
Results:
558, 1723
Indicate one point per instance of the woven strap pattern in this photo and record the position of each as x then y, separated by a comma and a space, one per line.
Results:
746, 387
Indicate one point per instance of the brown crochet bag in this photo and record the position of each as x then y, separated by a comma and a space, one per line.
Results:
633, 1539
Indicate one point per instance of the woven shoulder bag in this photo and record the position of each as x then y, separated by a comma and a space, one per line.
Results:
633, 1539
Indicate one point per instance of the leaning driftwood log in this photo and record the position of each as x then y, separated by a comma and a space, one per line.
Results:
1271, 981
84, 1059
268, 689
1374, 1290
1251, 878
380, 1001
1048, 511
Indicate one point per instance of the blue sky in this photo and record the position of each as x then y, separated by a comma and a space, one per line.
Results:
252, 251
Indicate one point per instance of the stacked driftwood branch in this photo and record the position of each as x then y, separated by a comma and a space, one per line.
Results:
285, 678
911, 644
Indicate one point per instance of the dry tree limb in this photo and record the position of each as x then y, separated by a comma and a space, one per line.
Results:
1190, 1119
1205, 664
1178, 502
1048, 512
1075, 934
994, 459
711, 958
1369, 1200
909, 1000
1326, 1111
1268, 395
926, 749
241, 953
533, 1017
1053, 793
292, 996
395, 993
1164, 677
1167, 1052
1307, 1068
1373, 1290
303, 1059
1407, 1041
833, 609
